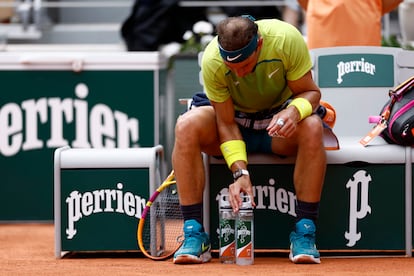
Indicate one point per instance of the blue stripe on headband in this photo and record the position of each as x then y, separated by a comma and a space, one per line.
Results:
241, 54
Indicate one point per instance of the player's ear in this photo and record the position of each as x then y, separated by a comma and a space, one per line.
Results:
260, 43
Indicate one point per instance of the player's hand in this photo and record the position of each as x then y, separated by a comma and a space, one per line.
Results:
282, 124
241, 185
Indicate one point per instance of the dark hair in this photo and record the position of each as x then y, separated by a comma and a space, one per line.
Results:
235, 32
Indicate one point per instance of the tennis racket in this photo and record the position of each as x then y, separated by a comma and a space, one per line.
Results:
160, 229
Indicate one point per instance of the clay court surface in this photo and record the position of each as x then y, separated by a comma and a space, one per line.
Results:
28, 249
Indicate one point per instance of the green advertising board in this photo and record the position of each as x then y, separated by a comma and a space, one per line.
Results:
100, 195
362, 206
114, 100
355, 70
102, 225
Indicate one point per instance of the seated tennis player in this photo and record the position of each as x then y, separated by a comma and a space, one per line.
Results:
257, 76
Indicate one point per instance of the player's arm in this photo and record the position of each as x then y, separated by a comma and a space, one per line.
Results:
306, 97
234, 150
305, 87
226, 125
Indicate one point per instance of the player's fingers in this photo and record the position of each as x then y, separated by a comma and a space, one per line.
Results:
235, 199
276, 127
288, 130
249, 192
252, 200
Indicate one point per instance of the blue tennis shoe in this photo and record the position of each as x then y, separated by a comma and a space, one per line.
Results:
302, 243
196, 246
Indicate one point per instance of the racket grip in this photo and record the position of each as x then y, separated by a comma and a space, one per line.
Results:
374, 119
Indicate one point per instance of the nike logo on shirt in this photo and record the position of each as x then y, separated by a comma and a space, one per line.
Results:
272, 73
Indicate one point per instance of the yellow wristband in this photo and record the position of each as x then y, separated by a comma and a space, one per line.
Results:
303, 106
233, 150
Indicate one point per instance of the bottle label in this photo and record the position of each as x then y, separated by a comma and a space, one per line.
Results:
227, 238
244, 239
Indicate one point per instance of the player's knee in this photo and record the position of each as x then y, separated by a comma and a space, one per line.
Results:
183, 125
312, 128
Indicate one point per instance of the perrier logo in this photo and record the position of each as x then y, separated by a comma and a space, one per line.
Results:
227, 231
243, 232
354, 66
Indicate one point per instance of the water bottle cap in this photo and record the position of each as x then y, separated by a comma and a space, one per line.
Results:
224, 201
246, 202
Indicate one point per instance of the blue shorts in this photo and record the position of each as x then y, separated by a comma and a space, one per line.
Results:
256, 140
